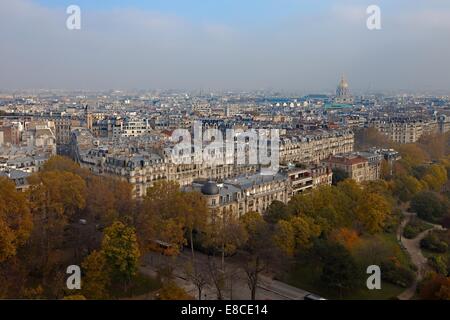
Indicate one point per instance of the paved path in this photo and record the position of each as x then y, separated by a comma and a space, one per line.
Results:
268, 289
412, 246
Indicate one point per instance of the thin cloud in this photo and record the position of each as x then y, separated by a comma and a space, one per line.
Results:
302, 52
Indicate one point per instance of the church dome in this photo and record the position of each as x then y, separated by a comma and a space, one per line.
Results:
343, 88
210, 188
343, 83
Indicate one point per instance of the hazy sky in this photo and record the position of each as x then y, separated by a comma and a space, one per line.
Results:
292, 45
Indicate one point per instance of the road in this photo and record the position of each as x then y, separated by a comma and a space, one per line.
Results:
237, 289
412, 246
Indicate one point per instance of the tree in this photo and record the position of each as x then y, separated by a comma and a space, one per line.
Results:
60, 163
162, 217
261, 251
217, 275
428, 205
340, 271
346, 237
225, 235
435, 287
305, 230
198, 277
439, 264
96, 277
121, 251
75, 297
195, 216
284, 237
405, 187
55, 197
372, 212
328, 206
276, 211
100, 201
412, 155
15, 219
435, 177
170, 291
434, 145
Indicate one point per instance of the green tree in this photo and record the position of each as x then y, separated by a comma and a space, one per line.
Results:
405, 187
340, 271
121, 251
276, 211
435, 177
305, 230
428, 205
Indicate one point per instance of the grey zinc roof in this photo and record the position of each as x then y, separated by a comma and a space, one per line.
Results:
245, 182
14, 174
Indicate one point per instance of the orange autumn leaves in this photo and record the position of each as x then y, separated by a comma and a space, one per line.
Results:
15, 219
346, 237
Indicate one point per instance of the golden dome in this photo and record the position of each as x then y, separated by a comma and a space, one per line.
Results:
343, 83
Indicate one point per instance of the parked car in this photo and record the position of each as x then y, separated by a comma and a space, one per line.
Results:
313, 297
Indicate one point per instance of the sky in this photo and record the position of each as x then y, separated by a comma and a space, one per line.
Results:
299, 46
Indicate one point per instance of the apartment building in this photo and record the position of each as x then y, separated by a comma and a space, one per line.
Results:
243, 194
405, 130
362, 166
315, 147
309, 177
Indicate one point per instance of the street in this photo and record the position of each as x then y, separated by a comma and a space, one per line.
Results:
236, 289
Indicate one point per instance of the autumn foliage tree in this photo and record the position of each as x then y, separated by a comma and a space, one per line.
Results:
346, 237
96, 279
121, 251
15, 219
56, 197
435, 287
161, 217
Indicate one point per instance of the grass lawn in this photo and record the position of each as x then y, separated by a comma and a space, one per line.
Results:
307, 276
140, 285
390, 240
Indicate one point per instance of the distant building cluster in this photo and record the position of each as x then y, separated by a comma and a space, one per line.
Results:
128, 135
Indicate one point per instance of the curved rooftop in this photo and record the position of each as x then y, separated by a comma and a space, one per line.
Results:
210, 188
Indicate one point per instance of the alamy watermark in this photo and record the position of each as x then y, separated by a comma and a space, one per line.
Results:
374, 20
374, 280
73, 282
234, 146
73, 21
